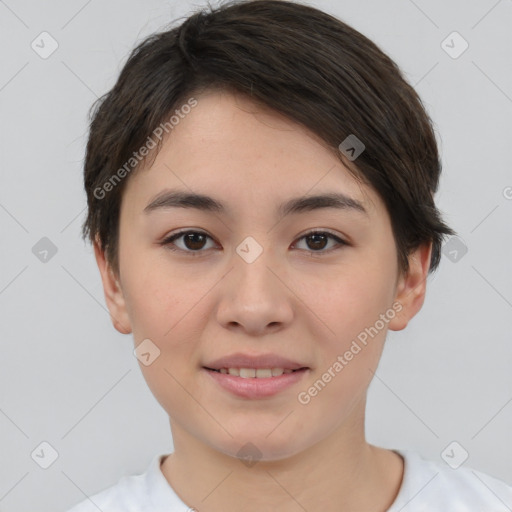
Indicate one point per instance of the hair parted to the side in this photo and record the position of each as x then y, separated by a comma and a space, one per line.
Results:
300, 62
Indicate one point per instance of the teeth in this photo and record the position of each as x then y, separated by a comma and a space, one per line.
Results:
260, 373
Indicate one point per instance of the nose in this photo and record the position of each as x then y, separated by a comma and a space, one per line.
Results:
254, 296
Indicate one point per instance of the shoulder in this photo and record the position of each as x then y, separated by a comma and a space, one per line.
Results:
145, 492
122, 496
427, 484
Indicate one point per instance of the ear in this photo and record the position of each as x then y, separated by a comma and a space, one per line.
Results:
113, 293
411, 287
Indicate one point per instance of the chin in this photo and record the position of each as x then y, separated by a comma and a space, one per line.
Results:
252, 446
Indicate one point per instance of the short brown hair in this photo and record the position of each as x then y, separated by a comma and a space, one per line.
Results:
297, 60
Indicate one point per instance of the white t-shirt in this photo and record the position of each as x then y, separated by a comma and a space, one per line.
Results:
427, 486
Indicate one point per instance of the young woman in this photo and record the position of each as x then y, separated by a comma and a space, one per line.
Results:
260, 185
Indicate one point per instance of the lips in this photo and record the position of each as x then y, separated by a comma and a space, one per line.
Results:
255, 376
258, 387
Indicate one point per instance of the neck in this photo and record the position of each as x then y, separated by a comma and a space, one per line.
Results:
342, 471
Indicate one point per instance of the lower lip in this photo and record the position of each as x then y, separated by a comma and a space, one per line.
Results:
254, 387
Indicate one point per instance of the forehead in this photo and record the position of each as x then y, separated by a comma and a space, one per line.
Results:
229, 146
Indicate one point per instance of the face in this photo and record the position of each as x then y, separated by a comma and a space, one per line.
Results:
248, 278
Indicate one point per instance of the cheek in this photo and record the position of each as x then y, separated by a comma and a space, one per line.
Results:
157, 295
351, 301
165, 307
351, 307
350, 352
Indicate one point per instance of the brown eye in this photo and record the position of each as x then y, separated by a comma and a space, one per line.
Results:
317, 241
192, 241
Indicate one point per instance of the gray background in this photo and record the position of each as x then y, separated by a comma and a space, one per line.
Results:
68, 378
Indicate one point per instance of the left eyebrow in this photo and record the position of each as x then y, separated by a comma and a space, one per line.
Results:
329, 200
184, 199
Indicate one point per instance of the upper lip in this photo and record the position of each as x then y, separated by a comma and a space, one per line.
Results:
240, 360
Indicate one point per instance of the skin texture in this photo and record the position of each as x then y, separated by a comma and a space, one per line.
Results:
292, 301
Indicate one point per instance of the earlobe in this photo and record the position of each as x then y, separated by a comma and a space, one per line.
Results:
411, 287
113, 293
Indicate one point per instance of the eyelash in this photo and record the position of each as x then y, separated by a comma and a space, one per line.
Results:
170, 239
